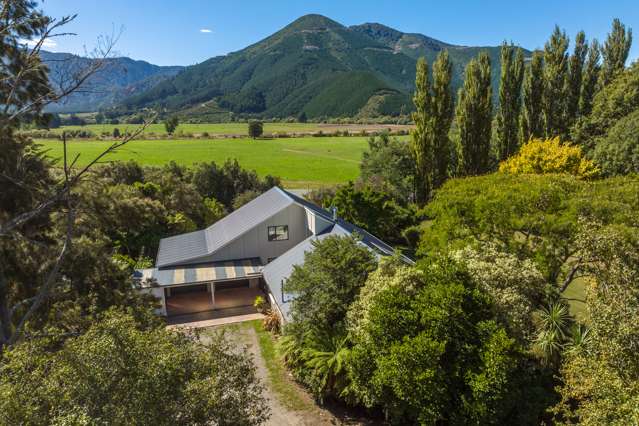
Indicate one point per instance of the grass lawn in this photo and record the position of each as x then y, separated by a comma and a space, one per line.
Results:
287, 392
576, 293
306, 162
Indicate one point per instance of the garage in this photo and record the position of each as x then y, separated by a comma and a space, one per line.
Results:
188, 299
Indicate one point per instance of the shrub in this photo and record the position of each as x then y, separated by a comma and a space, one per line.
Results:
271, 321
549, 156
259, 304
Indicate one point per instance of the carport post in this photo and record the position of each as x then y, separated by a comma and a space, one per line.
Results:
212, 288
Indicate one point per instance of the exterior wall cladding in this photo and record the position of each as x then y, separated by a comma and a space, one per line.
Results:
255, 243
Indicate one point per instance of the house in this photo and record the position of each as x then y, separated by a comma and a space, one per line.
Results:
250, 252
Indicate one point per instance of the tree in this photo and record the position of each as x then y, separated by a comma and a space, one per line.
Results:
117, 372
555, 92
532, 114
512, 73
426, 349
591, 71
255, 129
442, 111
617, 153
474, 113
515, 286
388, 166
327, 283
601, 376
373, 210
31, 234
575, 77
171, 123
302, 117
615, 51
536, 217
421, 140
616, 100
550, 156
116, 133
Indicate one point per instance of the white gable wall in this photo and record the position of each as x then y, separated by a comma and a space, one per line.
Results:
255, 243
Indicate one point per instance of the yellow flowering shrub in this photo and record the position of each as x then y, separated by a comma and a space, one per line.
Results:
540, 156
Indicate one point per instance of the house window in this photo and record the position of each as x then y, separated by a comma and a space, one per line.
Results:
270, 259
278, 233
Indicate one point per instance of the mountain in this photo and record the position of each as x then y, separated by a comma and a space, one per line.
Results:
314, 65
419, 45
118, 79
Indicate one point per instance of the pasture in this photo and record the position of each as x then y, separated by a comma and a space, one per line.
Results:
306, 162
237, 129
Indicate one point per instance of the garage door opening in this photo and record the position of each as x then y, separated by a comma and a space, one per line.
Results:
188, 300
235, 294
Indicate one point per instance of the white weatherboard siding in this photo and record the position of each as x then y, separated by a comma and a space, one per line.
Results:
255, 243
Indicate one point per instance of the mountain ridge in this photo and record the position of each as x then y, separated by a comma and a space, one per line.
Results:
314, 65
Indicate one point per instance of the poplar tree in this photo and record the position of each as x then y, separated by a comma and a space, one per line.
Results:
615, 51
474, 108
575, 75
512, 73
532, 123
421, 140
442, 116
592, 69
555, 87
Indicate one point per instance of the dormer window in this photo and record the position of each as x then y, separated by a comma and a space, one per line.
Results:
278, 233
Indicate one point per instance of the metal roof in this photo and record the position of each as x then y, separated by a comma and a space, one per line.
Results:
206, 272
187, 247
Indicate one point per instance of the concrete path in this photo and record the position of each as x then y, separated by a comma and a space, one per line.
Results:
216, 321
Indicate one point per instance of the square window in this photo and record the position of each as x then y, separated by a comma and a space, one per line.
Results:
278, 233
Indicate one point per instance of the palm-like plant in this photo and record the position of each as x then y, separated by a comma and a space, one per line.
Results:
553, 324
326, 357
580, 338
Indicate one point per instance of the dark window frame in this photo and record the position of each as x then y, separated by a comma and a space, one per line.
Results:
273, 235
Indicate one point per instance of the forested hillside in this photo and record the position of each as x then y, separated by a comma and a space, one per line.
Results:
314, 65
117, 79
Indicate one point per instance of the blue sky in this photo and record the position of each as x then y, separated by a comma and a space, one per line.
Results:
169, 32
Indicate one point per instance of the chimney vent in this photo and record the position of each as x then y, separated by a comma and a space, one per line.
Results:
334, 212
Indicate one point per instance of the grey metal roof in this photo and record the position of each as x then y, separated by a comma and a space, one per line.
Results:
187, 247
206, 272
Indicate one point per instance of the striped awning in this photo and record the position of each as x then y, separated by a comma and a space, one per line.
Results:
206, 272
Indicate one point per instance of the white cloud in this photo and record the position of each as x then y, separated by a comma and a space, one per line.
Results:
206, 30
47, 44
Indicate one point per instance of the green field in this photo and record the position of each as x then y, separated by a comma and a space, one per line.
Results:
210, 128
306, 162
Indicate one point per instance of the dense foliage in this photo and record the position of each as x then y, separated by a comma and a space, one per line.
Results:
426, 348
536, 217
388, 166
601, 374
120, 372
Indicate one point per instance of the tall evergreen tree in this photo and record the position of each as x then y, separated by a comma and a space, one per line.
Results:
421, 140
512, 73
555, 87
592, 69
575, 76
474, 109
442, 114
532, 123
615, 51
